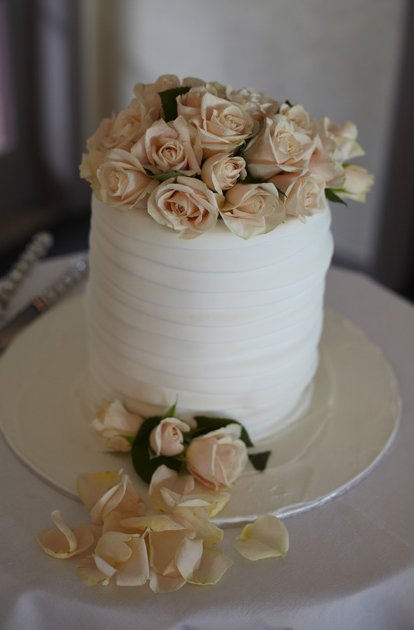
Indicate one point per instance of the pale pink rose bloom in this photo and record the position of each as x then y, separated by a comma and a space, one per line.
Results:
185, 205
218, 458
305, 194
121, 131
121, 180
114, 423
340, 140
167, 437
193, 82
90, 163
173, 146
222, 125
258, 104
221, 171
189, 104
252, 209
358, 181
325, 166
300, 118
278, 147
148, 93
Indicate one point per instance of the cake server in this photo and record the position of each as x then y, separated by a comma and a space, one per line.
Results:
76, 272
34, 251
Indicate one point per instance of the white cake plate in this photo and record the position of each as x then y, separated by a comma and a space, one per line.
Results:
45, 417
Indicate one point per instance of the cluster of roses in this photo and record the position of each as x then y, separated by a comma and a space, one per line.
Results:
170, 540
190, 152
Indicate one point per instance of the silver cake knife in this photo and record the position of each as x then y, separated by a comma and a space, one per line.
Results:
76, 272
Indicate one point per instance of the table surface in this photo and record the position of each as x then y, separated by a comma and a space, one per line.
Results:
351, 561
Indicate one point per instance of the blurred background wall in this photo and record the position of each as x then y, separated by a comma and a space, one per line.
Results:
81, 58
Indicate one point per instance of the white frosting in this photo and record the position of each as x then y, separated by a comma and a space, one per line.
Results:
227, 327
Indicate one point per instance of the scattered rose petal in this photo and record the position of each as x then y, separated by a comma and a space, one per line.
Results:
64, 542
196, 520
164, 547
211, 569
92, 486
265, 538
121, 497
164, 584
89, 573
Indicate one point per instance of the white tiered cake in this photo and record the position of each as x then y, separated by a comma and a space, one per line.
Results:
228, 327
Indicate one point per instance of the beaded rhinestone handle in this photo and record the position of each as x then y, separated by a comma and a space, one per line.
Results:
35, 250
76, 272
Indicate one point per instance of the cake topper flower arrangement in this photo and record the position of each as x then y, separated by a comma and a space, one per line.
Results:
190, 152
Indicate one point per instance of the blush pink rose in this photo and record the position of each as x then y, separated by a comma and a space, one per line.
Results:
221, 171
185, 205
218, 458
252, 209
121, 180
305, 194
358, 181
222, 125
167, 437
278, 147
148, 93
170, 146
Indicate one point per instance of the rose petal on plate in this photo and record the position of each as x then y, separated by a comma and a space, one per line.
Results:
121, 497
188, 556
267, 537
89, 573
135, 571
167, 487
196, 520
213, 566
63, 542
154, 522
164, 584
92, 486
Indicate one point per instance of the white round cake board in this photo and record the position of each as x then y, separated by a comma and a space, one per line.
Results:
353, 415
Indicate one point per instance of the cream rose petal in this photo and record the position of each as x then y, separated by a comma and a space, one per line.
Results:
188, 556
153, 522
196, 520
212, 567
89, 573
164, 584
121, 497
267, 537
92, 486
135, 571
164, 547
63, 542
163, 479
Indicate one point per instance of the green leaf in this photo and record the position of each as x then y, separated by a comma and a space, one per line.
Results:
288, 103
161, 177
170, 413
169, 101
144, 462
206, 424
259, 460
331, 195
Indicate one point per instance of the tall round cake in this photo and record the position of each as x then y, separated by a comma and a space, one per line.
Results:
226, 326
209, 248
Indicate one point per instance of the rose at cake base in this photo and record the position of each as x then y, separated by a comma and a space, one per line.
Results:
226, 327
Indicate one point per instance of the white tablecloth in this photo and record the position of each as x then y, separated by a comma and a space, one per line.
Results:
351, 562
